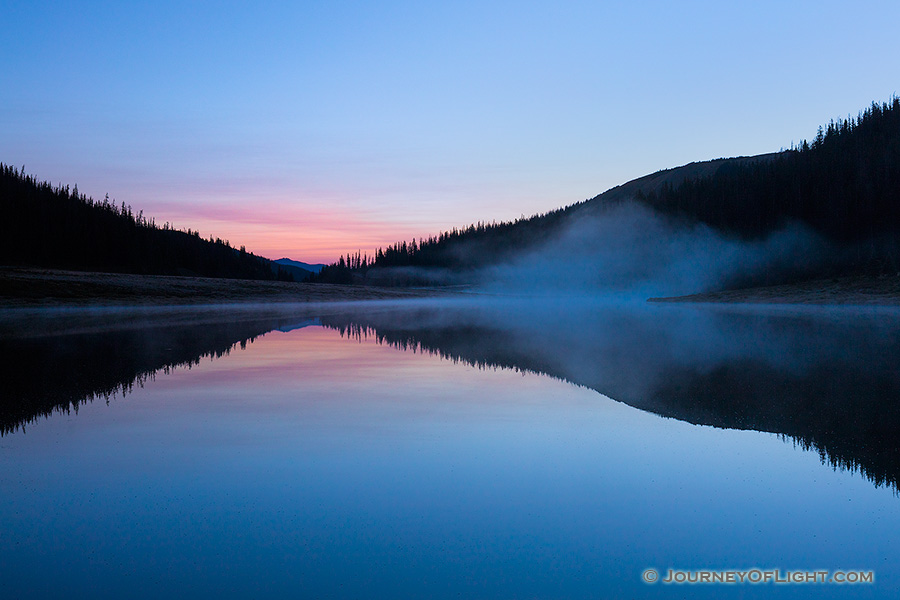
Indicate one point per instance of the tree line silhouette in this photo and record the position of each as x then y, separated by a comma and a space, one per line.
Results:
458, 250
58, 227
844, 184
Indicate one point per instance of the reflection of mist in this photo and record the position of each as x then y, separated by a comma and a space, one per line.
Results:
827, 378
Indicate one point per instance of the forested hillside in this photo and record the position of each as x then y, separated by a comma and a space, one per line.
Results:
844, 185
55, 227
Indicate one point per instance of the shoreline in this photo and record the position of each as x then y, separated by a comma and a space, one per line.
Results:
853, 290
22, 287
33, 288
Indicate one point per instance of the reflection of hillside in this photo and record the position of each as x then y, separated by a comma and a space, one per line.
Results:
56, 373
851, 416
830, 382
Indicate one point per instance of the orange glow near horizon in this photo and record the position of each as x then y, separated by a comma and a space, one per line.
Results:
303, 234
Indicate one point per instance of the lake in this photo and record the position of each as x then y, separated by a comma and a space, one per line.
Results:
481, 448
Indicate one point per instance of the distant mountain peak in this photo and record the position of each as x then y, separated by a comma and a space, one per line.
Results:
315, 268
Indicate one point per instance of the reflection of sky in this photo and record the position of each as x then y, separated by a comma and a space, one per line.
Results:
343, 125
310, 464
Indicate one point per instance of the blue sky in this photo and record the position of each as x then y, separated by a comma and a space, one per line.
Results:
309, 129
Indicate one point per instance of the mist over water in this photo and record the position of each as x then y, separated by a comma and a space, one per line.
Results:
825, 376
630, 251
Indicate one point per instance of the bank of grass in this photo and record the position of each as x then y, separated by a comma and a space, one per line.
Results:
856, 290
34, 288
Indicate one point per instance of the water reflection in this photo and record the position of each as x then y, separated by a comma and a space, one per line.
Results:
56, 373
314, 465
827, 379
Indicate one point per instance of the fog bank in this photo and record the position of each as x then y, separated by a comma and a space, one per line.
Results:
629, 250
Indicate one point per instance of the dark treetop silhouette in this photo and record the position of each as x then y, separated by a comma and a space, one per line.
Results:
55, 227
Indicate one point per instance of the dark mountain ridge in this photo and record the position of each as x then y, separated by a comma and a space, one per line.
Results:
287, 262
674, 177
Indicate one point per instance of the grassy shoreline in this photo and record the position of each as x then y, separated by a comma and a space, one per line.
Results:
36, 288
53, 288
856, 290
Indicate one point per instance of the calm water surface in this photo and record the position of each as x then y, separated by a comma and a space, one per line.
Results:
401, 453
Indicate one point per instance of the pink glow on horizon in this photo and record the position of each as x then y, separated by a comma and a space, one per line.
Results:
274, 230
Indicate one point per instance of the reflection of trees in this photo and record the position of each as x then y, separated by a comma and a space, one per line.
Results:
50, 374
830, 386
849, 414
